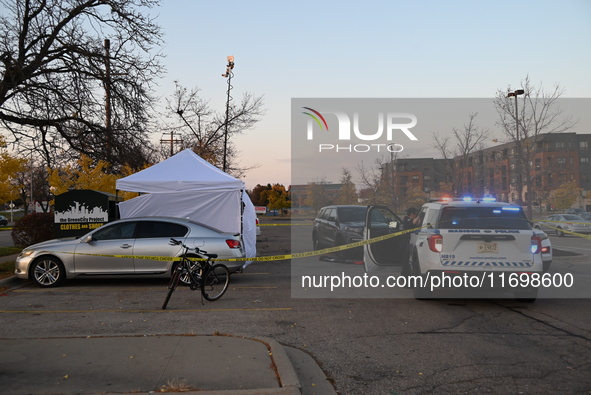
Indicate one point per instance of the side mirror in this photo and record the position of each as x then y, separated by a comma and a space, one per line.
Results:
88, 239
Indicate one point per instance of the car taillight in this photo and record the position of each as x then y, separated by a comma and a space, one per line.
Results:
435, 243
257, 221
546, 250
536, 244
233, 243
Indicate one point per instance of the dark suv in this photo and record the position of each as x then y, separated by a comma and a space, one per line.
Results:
338, 225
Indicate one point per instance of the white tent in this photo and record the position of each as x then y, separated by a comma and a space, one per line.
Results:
186, 186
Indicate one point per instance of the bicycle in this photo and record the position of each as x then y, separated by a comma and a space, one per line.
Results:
211, 279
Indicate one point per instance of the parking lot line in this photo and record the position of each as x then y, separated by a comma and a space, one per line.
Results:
252, 287
88, 289
140, 311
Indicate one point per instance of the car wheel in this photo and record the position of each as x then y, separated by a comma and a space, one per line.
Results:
424, 292
48, 272
559, 232
526, 295
415, 269
185, 279
315, 242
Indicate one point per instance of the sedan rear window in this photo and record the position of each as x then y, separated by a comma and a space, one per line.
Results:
507, 217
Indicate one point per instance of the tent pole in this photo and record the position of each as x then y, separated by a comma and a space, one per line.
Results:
117, 216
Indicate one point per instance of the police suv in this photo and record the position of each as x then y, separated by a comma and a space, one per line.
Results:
481, 240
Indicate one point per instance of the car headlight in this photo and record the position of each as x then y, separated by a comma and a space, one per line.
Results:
26, 253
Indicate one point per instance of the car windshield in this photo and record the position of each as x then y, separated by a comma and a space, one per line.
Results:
352, 214
507, 217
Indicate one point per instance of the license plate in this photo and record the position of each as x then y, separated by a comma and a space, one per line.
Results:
488, 248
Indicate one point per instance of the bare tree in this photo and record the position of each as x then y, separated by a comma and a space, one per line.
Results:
379, 183
459, 146
348, 192
523, 121
76, 76
202, 128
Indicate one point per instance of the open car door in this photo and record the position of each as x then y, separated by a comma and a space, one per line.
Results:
384, 256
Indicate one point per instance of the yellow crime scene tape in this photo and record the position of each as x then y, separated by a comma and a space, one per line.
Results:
300, 254
264, 258
288, 224
584, 236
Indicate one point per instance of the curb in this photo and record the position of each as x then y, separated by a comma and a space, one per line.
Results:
285, 382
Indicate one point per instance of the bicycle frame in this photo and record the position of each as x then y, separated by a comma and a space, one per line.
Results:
202, 274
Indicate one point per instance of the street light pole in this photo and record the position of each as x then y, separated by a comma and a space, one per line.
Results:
515, 94
519, 178
229, 74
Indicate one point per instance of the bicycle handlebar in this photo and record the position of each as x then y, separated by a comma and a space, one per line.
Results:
197, 250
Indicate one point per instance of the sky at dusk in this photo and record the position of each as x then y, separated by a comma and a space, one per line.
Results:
372, 49
369, 49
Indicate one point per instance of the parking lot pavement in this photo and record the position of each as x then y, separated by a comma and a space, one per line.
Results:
200, 364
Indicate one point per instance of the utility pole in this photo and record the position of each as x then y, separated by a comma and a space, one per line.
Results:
172, 141
107, 84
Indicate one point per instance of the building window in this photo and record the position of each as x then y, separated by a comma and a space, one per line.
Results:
415, 178
583, 145
584, 160
561, 161
559, 144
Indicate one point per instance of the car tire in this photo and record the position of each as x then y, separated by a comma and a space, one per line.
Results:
184, 279
47, 271
315, 242
424, 292
526, 295
559, 232
415, 268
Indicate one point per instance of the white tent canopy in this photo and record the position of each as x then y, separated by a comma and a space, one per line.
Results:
181, 172
186, 186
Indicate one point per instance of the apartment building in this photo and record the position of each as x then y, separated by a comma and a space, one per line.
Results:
554, 158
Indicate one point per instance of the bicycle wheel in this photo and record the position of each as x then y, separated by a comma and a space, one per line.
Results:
174, 282
215, 283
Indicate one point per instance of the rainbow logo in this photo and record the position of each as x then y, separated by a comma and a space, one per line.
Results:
315, 117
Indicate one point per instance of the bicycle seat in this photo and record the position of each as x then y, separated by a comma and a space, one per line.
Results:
212, 256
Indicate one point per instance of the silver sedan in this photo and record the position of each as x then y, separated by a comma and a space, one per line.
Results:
559, 223
133, 246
